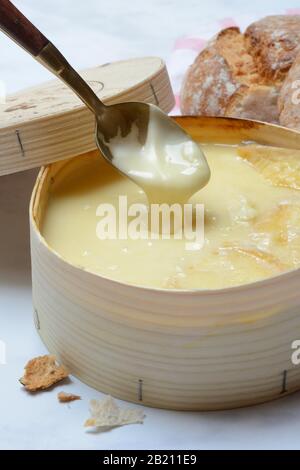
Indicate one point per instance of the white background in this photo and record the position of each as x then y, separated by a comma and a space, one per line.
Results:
91, 32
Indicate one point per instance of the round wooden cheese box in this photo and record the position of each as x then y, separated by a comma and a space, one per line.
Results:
184, 350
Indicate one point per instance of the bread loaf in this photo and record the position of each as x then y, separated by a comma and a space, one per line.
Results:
289, 98
241, 75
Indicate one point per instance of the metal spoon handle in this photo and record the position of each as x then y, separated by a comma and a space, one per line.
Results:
24, 33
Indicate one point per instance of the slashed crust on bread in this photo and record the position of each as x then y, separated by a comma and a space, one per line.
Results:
241, 75
217, 74
274, 42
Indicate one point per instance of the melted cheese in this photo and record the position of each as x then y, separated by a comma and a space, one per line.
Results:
252, 227
169, 167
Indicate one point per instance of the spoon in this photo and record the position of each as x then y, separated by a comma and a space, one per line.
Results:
111, 121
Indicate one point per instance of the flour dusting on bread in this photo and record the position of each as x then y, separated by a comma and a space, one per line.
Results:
248, 75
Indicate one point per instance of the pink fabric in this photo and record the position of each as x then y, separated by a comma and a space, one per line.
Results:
293, 11
227, 22
176, 109
195, 44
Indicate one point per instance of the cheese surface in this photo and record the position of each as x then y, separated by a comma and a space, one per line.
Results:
252, 225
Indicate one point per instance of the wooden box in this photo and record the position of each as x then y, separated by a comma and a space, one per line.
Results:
184, 350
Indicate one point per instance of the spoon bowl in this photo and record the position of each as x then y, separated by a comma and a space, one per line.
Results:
120, 119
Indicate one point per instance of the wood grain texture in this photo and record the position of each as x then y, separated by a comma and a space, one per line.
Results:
184, 350
49, 123
20, 29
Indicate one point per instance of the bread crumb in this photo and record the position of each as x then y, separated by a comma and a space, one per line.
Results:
42, 372
106, 414
64, 397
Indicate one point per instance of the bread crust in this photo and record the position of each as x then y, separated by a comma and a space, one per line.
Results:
257, 102
42, 372
217, 74
289, 98
240, 75
210, 71
274, 42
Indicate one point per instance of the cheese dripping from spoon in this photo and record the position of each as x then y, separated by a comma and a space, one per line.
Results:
169, 166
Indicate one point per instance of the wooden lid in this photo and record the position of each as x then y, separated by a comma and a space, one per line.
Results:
47, 123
